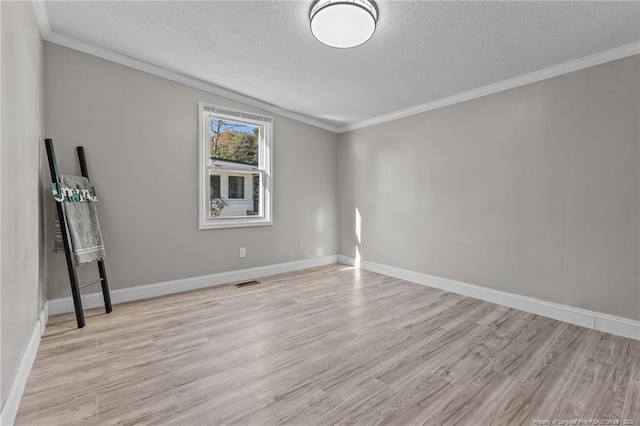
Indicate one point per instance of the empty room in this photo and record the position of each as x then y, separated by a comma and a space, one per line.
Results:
319, 212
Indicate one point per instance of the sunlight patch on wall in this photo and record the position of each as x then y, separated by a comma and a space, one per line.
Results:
358, 226
358, 237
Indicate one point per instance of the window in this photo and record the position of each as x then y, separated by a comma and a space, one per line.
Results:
236, 187
235, 168
214, 186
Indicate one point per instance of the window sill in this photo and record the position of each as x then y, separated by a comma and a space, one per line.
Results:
224, 223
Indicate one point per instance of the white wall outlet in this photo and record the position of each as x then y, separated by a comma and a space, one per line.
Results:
243, 252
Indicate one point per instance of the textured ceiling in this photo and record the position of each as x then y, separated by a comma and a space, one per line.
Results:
421, 52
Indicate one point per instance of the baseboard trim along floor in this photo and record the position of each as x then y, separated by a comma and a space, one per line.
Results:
594, 320
590, 319
147, 291
326, 345
10, 408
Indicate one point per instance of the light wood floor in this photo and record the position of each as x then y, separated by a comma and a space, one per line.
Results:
329, 345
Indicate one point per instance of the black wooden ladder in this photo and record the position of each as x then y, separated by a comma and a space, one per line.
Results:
66, 239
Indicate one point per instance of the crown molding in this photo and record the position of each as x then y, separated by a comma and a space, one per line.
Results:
522, 80
177, 77
532, 77
109, 55
42, 17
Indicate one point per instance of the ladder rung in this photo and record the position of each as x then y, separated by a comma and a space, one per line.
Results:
91, 283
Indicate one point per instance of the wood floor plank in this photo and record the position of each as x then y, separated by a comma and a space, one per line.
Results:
327, 345
368, 398
416, 402
302, 404
613, 350
432, 355
465, 363
473, 404
62, 409
632, 401
149, 406
531, 349
538, 397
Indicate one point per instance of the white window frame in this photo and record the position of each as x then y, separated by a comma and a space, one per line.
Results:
206, 164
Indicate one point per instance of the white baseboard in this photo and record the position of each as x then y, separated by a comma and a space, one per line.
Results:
10, 408
94, 300
44, 317
595, 320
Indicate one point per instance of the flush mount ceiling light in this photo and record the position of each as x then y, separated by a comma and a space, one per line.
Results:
343, 23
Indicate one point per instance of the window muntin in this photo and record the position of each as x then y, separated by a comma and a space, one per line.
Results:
235, 162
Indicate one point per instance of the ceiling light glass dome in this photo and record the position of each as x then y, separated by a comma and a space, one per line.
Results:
343, 23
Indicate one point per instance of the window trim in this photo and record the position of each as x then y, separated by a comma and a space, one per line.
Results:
205, 164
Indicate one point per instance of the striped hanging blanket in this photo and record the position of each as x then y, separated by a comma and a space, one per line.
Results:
82, 220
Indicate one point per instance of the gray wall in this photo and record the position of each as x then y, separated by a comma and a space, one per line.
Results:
22, 122
533, 191
140, 136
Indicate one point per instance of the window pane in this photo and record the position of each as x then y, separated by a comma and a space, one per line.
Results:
236, 187
214, 186
234, 141
256, 195
216, 203
238, 196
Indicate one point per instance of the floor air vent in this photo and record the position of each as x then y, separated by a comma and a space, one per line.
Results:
247, 284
